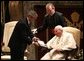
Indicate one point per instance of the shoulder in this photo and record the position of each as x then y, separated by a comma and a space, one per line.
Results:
68, 34
53, 38
21, 22
58, 13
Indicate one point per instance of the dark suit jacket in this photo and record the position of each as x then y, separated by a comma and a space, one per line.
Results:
52, 21
21, 35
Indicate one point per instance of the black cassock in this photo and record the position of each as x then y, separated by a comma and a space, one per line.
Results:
51, 21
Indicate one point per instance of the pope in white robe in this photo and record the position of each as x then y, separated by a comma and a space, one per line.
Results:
60, 42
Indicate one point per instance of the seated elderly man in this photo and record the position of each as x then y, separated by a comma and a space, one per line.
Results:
62, 41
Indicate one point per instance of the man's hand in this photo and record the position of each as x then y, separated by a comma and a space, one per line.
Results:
34, 31
35, 41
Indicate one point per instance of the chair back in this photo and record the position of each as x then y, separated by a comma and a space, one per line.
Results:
75, 32
8, 29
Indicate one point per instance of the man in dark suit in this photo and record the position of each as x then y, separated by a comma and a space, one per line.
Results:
21, 36
51, 19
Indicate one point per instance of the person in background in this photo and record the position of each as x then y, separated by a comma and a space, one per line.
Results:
51, 19
22, 36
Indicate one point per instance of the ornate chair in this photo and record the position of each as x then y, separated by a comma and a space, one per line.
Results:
76, 34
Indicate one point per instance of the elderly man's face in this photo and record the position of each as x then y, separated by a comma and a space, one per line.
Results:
58, 32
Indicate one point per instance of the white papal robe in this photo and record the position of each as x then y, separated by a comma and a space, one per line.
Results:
65, 42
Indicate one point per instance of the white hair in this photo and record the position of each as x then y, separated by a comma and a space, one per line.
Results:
32, 13
58, 27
